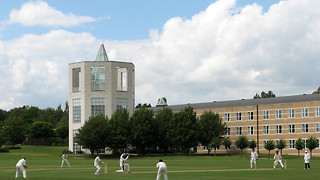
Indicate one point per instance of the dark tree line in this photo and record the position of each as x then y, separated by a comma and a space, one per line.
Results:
146, 132
28, 121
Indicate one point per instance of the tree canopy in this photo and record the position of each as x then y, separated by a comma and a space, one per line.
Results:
264, 95
242, 143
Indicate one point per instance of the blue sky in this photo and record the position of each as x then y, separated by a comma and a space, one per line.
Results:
186, 50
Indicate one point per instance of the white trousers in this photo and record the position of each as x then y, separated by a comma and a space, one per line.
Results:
66, 162
98, 169
163, 171
24, 173
124, 167
276, 163
253, 161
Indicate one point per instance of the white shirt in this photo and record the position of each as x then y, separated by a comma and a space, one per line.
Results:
64, 157
161, 165
254, 156
306, 158
21, 162
277, 157
96, 161
123, 160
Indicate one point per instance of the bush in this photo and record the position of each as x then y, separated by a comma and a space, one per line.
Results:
14, 147
4, 149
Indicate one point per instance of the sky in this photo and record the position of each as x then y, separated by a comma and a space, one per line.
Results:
189, 51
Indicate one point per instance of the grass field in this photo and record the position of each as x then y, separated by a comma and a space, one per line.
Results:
44, 164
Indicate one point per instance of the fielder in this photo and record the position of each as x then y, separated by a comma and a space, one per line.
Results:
65, 159
277, 158
123, 164
21, 165
253, 159
161, 169
306, 160
96, 164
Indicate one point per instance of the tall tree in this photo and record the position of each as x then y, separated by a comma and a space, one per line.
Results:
312, 143
119, 130
252, 144
184, 130
40, 129
93, 135
15, 130
62, 131
142, 127
270, 146
299, 145
211, 127
264, 95
242, 143
281, 144
162, 118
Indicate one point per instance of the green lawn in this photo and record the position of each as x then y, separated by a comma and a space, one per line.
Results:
44, 164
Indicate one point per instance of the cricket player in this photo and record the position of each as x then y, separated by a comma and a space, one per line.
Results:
96, 164
123, 165
306, 160
253, 159
277, 158
21, 165
65, 159
161, 169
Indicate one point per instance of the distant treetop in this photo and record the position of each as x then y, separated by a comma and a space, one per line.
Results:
264, 95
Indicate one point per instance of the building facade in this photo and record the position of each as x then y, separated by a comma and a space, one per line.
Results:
98, 87
287, 118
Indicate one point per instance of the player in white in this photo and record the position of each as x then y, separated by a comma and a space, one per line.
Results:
96, 164
253, 159
306, 160
21, 165
123, 163
277, 158
161, 169
65, 159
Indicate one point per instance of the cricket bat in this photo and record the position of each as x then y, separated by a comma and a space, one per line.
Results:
106, 168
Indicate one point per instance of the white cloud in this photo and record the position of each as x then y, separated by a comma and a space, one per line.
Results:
39, 13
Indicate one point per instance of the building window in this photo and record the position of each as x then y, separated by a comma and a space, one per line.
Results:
305, 128
238, 131
266, 129
317, 112
305, 141
76, 79
97, 106
250, 116
228, 130
304, 112
278, 114
292, 128
76, 147
98, 76
76, 110
122, 103
291, 113
226, 117
292, 144
122, 79
250, 130
317, 127
265, 114
278, 129
238, 116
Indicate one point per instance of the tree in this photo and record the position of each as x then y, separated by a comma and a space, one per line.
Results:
62, 131
252, 144
211, 127
93, 135
264, 95
269, 146
317, 91
162, 118
15, 130
40, 129
299, 145
281, 144
145, 105
184, 130
227, 144
312, 143
242, 143
119, 130
142, 129
215, 144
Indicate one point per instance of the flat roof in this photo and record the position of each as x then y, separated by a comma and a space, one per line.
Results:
244, 102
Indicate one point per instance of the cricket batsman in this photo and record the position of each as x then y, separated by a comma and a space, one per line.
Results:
277, 158
21, 165
65, 159
96, 164
253, 159
123, 165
